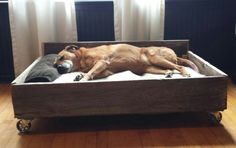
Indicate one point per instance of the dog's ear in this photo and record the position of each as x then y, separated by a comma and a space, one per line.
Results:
71, 48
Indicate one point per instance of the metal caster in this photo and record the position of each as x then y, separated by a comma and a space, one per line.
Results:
216, 117
23, 126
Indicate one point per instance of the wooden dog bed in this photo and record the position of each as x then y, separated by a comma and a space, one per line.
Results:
204, 94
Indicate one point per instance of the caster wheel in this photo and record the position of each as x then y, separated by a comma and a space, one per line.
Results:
23, 126
216, 117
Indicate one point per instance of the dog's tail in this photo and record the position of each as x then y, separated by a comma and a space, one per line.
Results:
186, 62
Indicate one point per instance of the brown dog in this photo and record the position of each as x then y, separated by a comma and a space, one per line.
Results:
105, 60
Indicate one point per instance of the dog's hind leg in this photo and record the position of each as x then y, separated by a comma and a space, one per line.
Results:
157, 70
103, 74
161, 62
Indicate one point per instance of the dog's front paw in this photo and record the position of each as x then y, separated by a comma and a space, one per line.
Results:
79, 77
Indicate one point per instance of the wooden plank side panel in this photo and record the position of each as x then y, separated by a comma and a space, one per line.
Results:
205, 67
179, 46
123, 97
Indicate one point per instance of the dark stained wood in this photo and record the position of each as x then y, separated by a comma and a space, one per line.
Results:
179, 46
111, 98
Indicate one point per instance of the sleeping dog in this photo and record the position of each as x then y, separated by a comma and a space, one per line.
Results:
102, 61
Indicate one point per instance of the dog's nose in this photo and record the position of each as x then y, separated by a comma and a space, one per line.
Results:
64, 68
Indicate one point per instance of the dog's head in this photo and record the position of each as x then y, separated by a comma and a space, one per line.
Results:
66, 59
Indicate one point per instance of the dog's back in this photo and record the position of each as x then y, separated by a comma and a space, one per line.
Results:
119, 56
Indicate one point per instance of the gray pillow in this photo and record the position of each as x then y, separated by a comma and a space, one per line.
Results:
43, 71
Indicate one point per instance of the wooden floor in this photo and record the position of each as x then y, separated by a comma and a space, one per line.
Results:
170, 130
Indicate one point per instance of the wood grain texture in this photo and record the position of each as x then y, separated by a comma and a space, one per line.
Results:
111, 98
204, 67
179, 46
169, 130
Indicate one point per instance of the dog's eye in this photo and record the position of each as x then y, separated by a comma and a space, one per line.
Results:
71, 48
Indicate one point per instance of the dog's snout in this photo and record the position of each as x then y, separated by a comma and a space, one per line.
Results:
62, 69
65, 67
